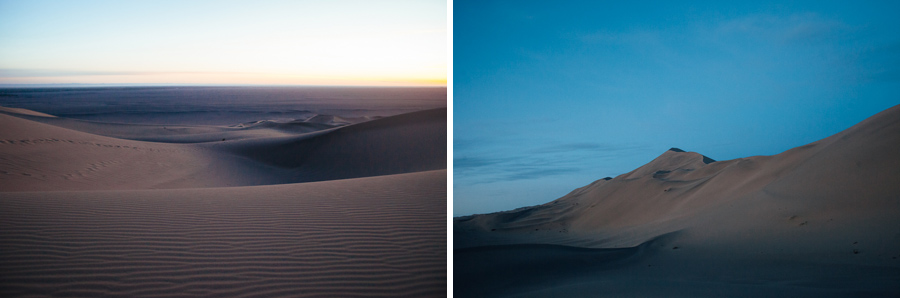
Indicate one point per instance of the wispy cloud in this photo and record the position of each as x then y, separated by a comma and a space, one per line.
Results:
524, 162
31, 73
533, 173
636, 37
807, 28
582, 146
882, 62
477, 162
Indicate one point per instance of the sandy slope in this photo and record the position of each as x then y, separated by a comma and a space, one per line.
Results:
89, 209
399, 144
379, 236
192, 133
817, 220
38, 156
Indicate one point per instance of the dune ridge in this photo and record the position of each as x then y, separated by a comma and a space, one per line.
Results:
365, 149
39, 156
786, 223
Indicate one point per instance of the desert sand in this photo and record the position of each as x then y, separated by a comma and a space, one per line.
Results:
820, 220
321, 205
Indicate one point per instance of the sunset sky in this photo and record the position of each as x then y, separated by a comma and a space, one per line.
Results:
550, 97
385, 43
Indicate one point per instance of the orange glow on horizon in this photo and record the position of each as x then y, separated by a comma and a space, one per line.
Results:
226, 78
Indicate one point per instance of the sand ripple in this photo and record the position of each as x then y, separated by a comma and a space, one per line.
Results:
379, 236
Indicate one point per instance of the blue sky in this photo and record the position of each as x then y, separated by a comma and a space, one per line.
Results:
292, 42
550, 97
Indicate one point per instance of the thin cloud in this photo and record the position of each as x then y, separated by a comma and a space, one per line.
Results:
32, 73
807, 28
539, 172
882, 63
641, 37
582, 146
535, 163
464, 163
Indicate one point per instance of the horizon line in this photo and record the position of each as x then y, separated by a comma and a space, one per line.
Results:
89, 85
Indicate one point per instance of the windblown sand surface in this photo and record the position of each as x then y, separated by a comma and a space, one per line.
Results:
317, 206
821, 220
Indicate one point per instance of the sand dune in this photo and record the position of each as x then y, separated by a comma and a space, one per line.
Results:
817, 220
133, 210
19, 111
38, 156
186, 133
399, 144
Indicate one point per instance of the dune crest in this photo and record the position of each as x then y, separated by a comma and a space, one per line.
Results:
24, 112
409, 142
51, 157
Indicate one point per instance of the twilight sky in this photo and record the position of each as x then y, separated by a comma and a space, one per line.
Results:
550, 97
341, 42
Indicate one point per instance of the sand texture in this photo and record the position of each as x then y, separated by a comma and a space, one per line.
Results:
321, 205
820, 220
